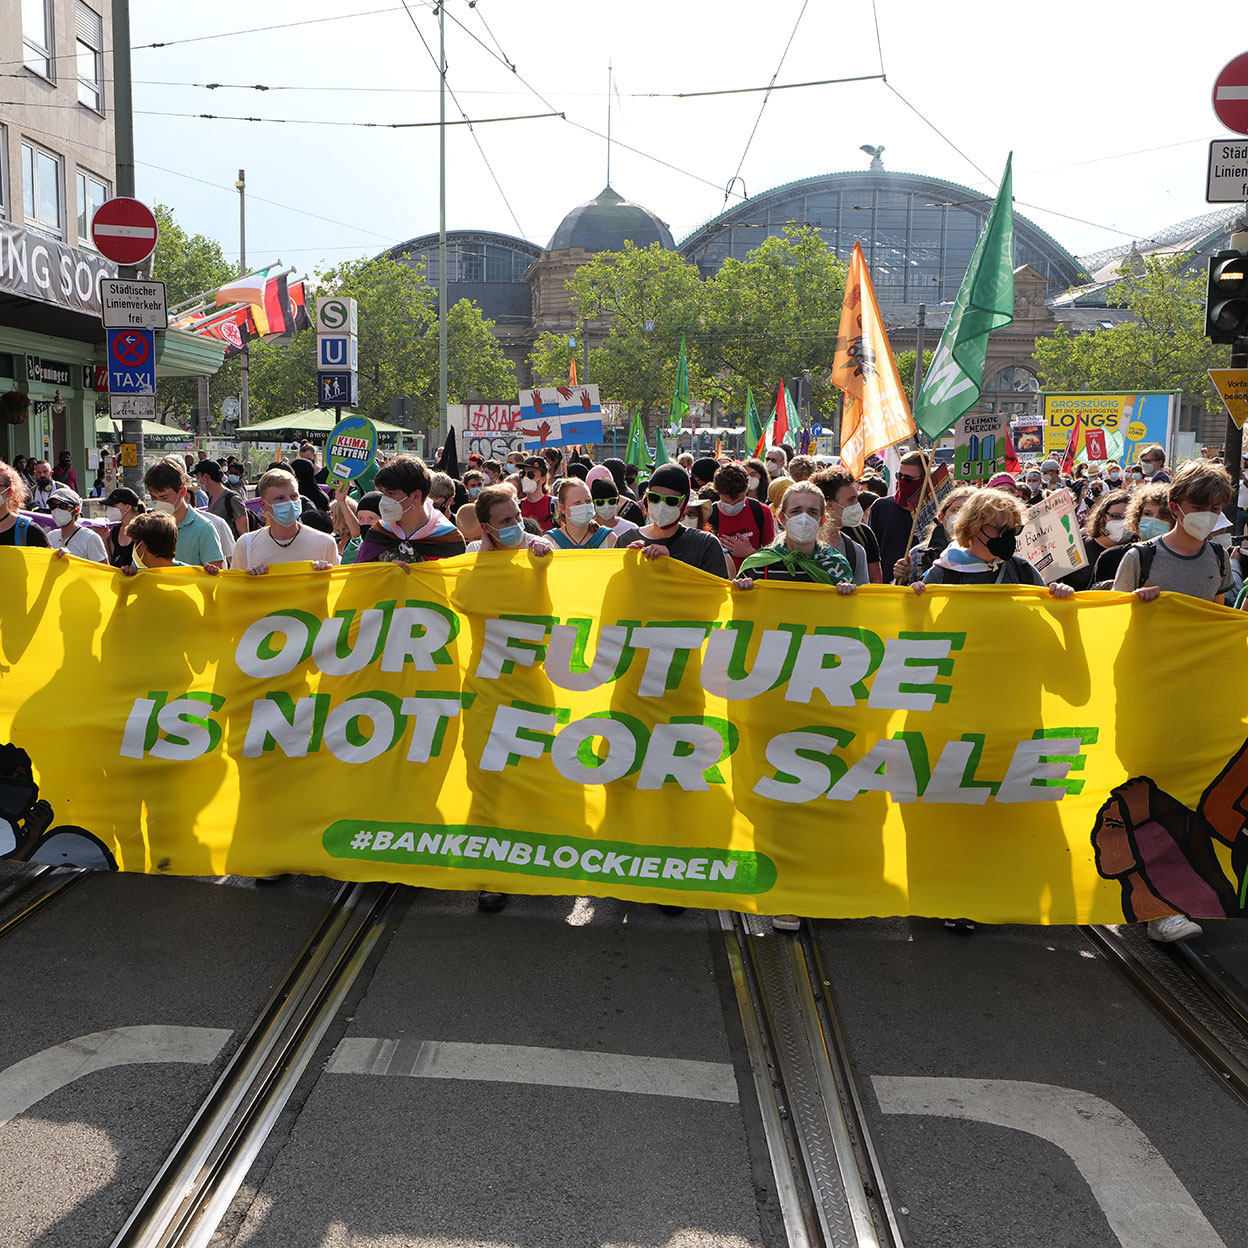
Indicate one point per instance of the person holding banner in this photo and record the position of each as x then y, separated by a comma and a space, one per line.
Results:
576, 525
284, 539
16, 529
667, 499
985, 536
798, 554
842, 516
1147, 516
502, 527
1184, 561
607, 500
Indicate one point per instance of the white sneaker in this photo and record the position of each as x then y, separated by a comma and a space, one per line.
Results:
786, 923
1173, 927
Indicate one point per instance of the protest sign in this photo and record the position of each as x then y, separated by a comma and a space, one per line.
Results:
351, 448
595, 723
1028, 437
560, 416
1051, 541
979, 446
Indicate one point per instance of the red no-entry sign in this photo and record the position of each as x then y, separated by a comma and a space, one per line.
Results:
124, 230
1230, 95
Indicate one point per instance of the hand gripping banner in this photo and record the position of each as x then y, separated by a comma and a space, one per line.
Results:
594, 724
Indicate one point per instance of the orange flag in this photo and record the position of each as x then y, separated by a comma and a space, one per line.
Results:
572, 381
876, 412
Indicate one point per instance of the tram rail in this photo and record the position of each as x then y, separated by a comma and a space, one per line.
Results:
32, 890
192, 1191
1191, 992
829, 1183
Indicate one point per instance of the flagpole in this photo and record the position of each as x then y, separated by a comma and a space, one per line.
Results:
245, 357
442, 417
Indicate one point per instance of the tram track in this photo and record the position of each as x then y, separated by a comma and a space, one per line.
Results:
1201, 1002
829, 1183
31, 891
199, 1179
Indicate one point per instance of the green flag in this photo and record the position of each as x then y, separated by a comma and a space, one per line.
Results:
660, 448
753, 426
680, 396
636, 454
952, 384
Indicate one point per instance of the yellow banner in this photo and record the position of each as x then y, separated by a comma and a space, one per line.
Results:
593, 724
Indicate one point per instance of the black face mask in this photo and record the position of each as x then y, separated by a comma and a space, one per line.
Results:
16, 798
1003, 545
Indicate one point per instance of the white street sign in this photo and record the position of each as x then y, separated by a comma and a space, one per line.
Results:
133, 303
336, 314
132, 406
1228, 172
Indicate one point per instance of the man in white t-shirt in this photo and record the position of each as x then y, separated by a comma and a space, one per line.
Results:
284, 539
70, 536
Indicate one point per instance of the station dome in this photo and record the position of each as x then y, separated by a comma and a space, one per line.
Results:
606, 222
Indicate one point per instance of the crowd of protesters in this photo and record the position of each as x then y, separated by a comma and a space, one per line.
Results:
784, 517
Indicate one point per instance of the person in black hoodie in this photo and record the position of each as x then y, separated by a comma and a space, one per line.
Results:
305, 474
629, 510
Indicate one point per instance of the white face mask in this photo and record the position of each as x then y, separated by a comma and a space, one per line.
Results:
528, 485
61, 517
390, 509
732, 509
159, 504
662, 515
1200, 524
605, 511
1116, 530
581, 513
801, 527
113, 514
851, 516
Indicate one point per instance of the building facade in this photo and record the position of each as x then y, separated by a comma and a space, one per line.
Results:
57, 165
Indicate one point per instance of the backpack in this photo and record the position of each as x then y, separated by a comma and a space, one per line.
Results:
1144, 552
756, 511
851, 554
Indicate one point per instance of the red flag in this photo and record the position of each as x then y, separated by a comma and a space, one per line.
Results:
299, 307
235, 329
781, 431
277, 306
1012, 466
1072, 447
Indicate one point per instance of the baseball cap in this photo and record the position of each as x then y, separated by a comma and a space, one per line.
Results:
1050, 465
65, 496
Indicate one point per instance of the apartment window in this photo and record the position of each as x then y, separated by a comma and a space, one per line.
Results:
4, 174
37, 36
91, 194
89, 46
41, 189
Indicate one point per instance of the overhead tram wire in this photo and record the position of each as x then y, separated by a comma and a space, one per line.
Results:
762, 107
485, 159
223, 34
358, 125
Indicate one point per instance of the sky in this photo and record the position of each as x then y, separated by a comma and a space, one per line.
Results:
1107, 111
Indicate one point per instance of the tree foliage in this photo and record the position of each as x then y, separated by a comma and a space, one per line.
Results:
1164, 348
398, 339
772, 315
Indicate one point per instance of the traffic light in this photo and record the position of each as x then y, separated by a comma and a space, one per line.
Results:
1226, 298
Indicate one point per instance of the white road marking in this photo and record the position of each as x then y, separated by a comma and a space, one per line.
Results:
517, 1063
27, 1082
1142, 1198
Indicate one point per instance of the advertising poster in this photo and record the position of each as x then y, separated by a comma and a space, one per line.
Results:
1051, 541
979, 446
1129, 421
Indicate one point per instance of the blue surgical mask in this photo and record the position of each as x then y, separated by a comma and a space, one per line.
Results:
286, 513
511, 535
1151, 527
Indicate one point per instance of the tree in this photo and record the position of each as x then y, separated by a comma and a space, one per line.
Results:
1164, 348
646, 297
774, 314
905, 369
189, 265
398, 345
